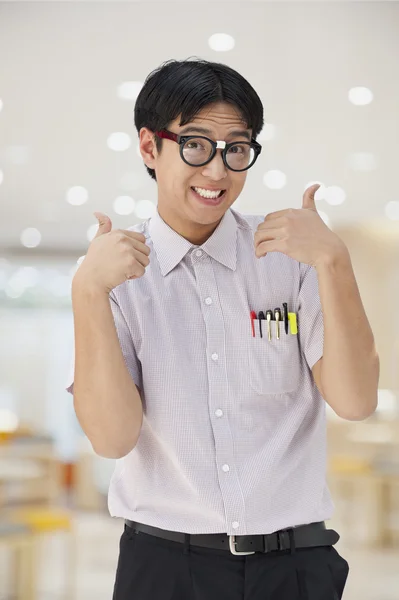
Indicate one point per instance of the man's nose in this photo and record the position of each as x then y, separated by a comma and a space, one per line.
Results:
216, 169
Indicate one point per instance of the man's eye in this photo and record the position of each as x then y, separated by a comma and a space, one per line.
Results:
237, 149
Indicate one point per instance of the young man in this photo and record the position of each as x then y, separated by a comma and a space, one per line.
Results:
210, 397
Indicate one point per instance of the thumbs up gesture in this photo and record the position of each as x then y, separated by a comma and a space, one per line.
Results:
114, 256
299, 233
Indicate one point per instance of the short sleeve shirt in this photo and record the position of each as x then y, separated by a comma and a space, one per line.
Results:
234, 434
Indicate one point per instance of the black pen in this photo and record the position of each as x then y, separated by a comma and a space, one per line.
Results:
260, 317
285, 311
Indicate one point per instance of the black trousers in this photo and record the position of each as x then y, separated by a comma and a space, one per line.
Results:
151, 568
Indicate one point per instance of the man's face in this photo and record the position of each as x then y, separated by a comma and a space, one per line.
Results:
178, 204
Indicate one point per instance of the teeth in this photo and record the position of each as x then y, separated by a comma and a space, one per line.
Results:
207, 193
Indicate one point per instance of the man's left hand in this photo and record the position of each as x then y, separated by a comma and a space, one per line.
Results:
299, 233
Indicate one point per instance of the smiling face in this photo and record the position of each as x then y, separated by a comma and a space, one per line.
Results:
192, 216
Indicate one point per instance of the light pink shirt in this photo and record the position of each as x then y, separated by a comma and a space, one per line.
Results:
234, 434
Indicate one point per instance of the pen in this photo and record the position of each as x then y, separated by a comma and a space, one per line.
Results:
293, 323
261, 317
285, 312
269, 317
253, 317
277, 314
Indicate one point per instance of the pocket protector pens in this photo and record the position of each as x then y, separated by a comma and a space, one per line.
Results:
278, 316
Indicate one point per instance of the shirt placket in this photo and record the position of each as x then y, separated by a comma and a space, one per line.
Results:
218, 399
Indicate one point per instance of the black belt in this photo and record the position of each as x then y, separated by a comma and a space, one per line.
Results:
304, 536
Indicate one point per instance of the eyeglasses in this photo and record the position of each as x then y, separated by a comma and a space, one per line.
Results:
197, 150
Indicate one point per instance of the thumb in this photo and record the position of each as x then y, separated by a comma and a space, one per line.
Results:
308, 200
104, 222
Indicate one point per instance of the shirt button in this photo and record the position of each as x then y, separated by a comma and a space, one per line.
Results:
219, 413
226, 468
215, 356
235, 524
208, 301
198, 253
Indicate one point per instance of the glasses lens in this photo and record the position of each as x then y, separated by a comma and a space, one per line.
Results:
197, 151
240, 156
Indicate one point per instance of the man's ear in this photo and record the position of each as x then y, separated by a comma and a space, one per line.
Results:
148, 148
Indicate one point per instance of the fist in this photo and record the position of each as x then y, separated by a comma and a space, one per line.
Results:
114, 256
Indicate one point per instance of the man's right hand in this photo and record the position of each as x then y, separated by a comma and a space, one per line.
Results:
113, 257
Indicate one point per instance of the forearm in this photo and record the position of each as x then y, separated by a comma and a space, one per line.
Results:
106, 400
350, 365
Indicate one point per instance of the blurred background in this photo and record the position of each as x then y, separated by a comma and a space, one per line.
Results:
69, 75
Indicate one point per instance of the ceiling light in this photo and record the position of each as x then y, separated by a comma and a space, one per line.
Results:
77, 195
221, 42
145, 209
30, 237
124, 205
360, 96
392, 210
334, 195
129, 90
119, 141
275, 180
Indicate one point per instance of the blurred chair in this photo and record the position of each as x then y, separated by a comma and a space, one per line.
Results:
22, 480
29, 470
359, 497
363, 472
46, 520
19, 539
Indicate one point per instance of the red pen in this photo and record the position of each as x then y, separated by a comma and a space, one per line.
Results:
253, 317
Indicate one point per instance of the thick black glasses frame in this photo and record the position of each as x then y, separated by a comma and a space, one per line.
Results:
182, 139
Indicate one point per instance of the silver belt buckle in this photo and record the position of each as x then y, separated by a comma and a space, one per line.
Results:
232, 543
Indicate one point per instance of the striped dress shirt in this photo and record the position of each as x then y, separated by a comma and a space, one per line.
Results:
234, 428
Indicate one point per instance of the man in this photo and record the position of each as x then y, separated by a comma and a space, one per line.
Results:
210, 397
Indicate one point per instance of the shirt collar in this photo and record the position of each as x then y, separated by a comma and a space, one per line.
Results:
171, 247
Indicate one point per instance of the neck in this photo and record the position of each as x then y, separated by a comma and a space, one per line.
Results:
195, 233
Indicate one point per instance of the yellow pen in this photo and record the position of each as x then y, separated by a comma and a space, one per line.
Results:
293, 323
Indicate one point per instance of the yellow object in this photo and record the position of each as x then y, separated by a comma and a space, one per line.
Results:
43, 519
292, 322
343, 464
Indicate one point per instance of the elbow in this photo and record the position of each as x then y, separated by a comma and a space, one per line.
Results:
363, 401
358, 413
117, 448
355, 416
115, 451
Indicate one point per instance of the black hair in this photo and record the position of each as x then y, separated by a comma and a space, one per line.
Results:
185, 88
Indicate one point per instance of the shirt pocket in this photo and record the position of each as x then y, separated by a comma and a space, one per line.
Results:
274, 367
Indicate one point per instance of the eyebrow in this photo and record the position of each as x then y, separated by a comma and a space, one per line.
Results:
195, 129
